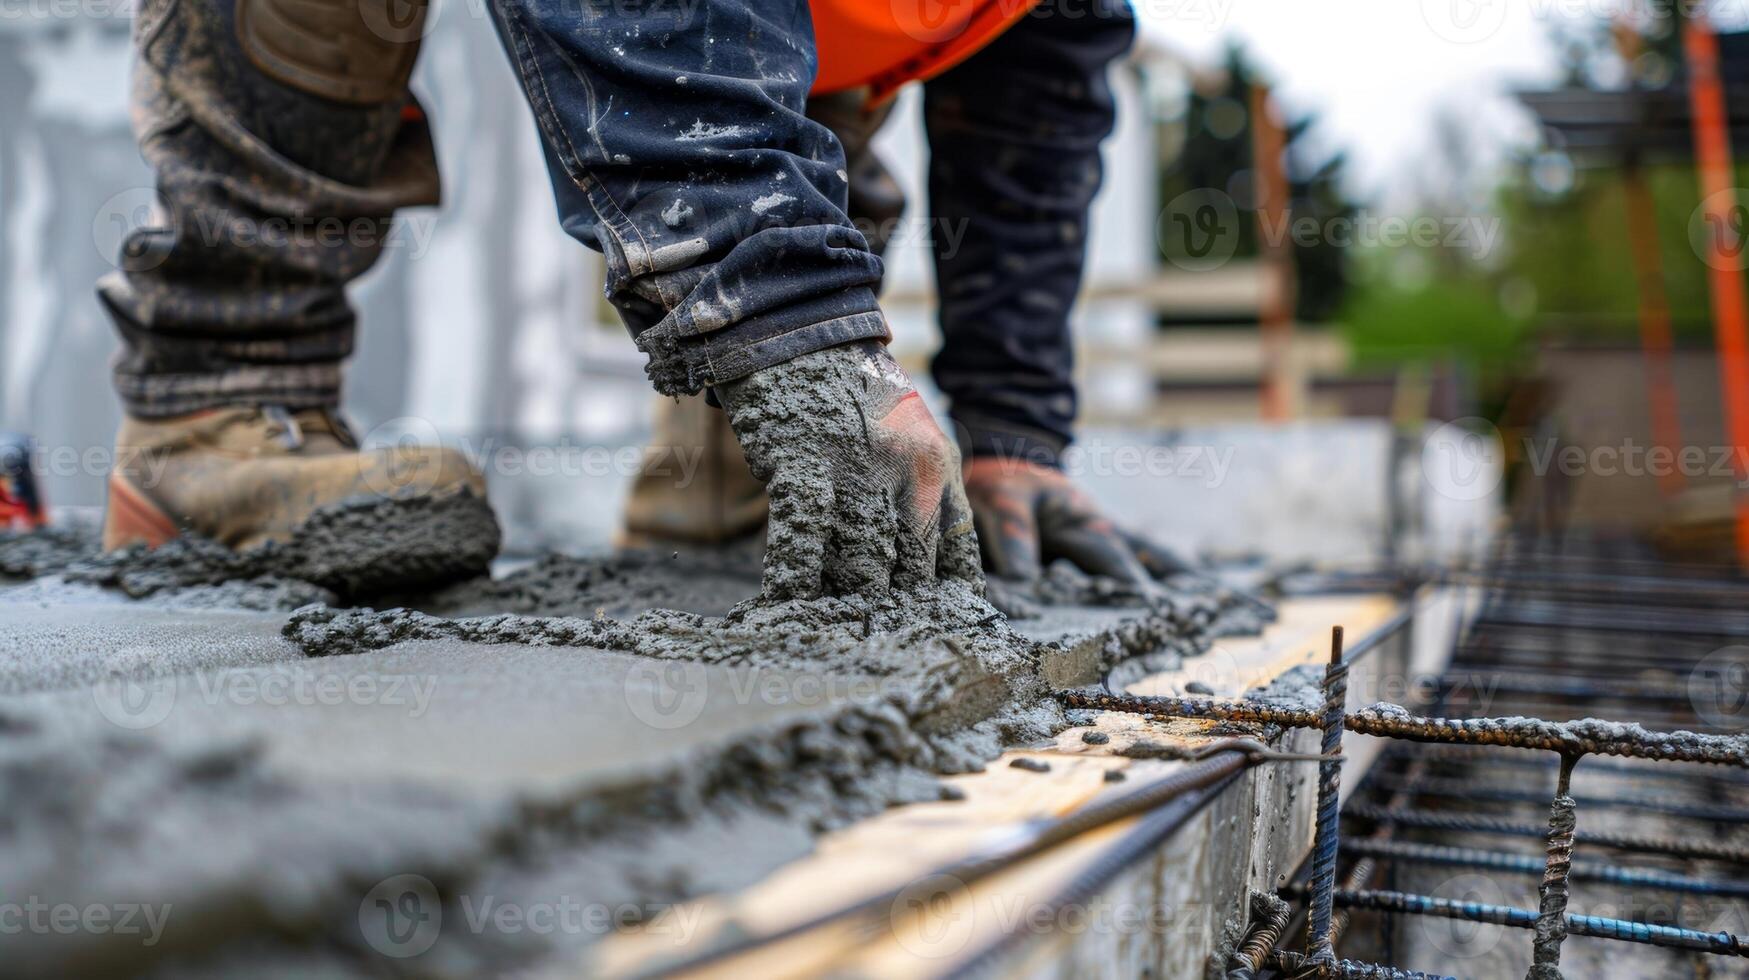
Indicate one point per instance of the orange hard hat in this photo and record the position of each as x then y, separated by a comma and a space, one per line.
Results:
882, 44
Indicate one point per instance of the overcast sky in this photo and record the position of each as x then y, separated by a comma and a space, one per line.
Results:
1377, 71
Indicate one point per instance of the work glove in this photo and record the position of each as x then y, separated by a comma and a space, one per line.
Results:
1029, 515
865, 489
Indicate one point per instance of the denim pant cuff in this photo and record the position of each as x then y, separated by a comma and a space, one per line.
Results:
982, 440
686, 366
295, 387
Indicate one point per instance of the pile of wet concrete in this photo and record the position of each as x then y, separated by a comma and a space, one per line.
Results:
276, 771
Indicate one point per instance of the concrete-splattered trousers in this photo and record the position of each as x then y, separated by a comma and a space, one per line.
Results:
284, 139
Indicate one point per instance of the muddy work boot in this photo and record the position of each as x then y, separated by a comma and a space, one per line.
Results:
694, 487
298, 486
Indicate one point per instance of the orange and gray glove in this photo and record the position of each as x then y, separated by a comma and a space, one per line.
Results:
865, 488
1029, 515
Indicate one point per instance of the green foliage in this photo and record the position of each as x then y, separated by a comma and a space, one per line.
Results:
1575, 250
1388, 324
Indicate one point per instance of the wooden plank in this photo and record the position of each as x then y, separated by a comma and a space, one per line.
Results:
904, 846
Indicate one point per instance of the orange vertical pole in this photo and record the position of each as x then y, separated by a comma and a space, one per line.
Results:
1655, 334
1276, 318
1712, 145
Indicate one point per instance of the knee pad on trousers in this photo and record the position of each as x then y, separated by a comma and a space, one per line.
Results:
358, 52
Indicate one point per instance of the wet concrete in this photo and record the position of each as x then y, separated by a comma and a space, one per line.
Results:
546, 740
66, 638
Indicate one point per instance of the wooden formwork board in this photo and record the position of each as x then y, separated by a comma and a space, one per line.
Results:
1164, 916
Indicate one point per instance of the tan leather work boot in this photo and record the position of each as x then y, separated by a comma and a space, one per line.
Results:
347, 519
694, 487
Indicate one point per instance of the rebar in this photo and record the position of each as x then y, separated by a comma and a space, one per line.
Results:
1358, 875
1213, 709
1162, 805
1669, 937
1551, 923
1269, 916
1695, 849
1459, 789
1620, 768
1329, 828
1505, 682
1586, 736
1596, 617
1296, 965
1470, 857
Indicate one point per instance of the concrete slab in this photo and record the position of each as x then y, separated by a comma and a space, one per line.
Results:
259, 800
164, 755
64, 638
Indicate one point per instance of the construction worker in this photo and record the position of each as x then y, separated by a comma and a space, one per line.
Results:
1014, 134
678, 147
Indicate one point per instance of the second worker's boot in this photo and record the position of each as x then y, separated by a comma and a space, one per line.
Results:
353, 520
694, 487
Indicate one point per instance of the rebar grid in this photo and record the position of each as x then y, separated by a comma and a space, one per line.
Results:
1570, 740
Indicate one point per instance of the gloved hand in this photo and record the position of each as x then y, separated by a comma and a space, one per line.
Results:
865, 489
1029, 515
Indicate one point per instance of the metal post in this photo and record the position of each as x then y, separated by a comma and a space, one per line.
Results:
1276, 261
1654, 314
1712, 148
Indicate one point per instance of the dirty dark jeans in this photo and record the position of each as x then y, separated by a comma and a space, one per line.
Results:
1014, 136
284, 138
